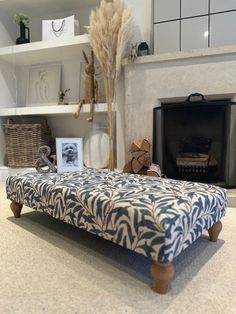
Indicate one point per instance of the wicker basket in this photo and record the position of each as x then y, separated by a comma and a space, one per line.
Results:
23, 142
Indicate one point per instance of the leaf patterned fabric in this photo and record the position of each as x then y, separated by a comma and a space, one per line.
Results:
156, 217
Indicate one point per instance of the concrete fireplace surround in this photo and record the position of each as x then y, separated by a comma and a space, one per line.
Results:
168, 78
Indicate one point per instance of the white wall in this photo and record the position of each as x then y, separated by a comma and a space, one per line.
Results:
142, 15
2, 145
8, 30
8, 34
8, 85
82, 15
140, 9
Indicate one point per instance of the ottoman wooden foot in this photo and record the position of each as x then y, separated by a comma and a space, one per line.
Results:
162, 274
214, 231
16, 208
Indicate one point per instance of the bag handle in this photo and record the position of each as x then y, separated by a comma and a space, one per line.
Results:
59, 31
203, 99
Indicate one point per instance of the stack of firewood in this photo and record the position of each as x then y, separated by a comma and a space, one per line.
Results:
141, 159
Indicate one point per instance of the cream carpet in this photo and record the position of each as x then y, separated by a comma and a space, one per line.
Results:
47, 266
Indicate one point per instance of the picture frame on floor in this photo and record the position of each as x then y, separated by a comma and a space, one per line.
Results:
69, 153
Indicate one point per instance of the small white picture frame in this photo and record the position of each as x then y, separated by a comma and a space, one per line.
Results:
69, 153
44, 85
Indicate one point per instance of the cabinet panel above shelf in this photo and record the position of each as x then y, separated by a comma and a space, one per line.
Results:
45, 51
51, 110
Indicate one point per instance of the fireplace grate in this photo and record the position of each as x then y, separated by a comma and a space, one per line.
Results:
194, 160
197, 172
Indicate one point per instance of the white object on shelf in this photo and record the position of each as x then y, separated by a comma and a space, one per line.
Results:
45, 51
59, 28
96, 148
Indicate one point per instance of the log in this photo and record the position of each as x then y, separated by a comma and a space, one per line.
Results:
152, 173
145, 160
145, 145
143, 171
128, 167
140, 157
213, 162
135, 146
138, 153
136, 166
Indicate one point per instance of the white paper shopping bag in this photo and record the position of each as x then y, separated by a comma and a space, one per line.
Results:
59, 28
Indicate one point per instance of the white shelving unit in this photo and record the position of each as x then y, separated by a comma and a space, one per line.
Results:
16, 60
50, 110
45, 51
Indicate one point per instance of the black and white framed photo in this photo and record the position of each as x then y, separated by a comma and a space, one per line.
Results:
69, 154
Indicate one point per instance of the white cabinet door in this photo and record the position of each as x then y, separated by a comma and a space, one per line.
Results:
166, 37
194, 33
222, 29
193, 7
222, 5
166, 10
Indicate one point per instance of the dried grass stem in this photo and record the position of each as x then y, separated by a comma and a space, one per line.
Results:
109, 33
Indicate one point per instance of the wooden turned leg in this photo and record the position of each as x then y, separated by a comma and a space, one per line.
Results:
162, 274
214, 231
16, 209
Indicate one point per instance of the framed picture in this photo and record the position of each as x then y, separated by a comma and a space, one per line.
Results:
44, 85
69, 154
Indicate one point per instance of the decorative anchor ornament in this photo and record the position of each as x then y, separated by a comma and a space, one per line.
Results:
44, 153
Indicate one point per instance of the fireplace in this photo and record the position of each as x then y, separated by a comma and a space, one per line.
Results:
196, 140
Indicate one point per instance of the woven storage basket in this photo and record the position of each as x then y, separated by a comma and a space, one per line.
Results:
23, 142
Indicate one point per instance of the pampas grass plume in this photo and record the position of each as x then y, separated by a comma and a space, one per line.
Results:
110, 31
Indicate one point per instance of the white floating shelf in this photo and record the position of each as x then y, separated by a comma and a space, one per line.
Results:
7, 112
45, 51
51, 110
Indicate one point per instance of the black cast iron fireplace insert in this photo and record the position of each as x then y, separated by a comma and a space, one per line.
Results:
195, 140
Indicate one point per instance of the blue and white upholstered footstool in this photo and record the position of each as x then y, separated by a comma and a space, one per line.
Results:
158, 218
